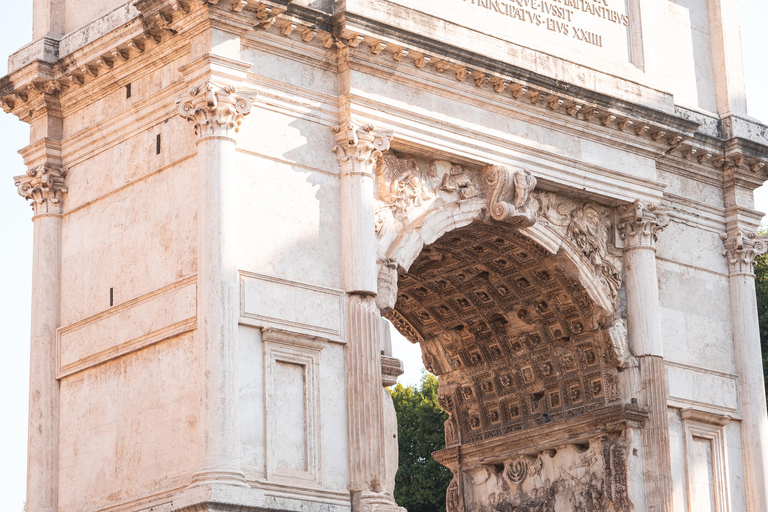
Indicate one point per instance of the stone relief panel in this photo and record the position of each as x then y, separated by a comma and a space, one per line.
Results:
590, 477
512, 335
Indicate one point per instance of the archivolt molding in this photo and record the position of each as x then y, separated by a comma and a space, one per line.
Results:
419, 200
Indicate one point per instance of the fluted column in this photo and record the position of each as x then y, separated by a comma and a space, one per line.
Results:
639, 226
741, 250
216, 112
358, 149
44, 186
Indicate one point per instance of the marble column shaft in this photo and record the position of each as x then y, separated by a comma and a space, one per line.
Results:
45, 186
217, 113
639, 226
741, 251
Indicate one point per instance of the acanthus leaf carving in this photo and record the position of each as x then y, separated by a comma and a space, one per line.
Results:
742, 249
44, 186
641, 222
358, 147
215, 110
510, 196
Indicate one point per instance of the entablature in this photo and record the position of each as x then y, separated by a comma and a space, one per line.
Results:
658, 131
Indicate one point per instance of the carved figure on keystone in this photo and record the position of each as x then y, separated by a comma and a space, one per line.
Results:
510, 195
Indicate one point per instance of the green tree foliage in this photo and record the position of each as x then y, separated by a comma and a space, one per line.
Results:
421, 482
761, 286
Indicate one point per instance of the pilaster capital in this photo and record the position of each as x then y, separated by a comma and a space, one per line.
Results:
742, 249
358, 147
215, 110
640, 223
44, 186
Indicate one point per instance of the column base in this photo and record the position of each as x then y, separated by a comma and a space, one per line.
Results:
218, 497
374, 502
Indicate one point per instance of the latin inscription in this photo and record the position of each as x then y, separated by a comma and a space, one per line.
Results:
579, 20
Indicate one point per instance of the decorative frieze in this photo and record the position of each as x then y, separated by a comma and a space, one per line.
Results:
215, 110
640, 223
44, 186
742, 249
591, 479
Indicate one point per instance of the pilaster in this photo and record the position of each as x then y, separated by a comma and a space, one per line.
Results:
639, 226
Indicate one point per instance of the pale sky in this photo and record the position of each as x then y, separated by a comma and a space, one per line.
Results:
16, 254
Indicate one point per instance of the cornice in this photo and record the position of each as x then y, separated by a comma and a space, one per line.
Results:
161, 20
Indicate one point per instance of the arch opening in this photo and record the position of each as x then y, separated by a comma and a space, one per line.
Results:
524, 355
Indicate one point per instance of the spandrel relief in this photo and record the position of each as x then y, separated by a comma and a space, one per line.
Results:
589, 477
587, 226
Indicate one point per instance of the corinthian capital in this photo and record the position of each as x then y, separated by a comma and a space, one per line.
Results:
742, 249
358, 147
44, 186
215, 110
640, 223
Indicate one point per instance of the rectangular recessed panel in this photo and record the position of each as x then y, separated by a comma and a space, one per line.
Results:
273, 302
712, 391
701, 476
128, 327
290, 417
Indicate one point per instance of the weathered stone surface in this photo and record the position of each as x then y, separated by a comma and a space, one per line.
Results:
554, 198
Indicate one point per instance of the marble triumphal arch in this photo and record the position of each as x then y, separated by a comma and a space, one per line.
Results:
233, 200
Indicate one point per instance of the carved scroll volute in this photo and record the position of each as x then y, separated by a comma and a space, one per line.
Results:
359, 147
742, 249
215, 110
640, 223
510, 195
44, 186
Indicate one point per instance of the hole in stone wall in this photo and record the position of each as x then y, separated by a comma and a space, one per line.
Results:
581, 447
111, 297
128, 91
157, 144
